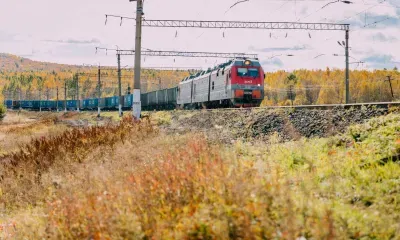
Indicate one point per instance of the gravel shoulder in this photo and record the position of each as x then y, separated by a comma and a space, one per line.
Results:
262, 124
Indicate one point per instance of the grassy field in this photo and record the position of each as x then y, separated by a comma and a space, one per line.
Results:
132, 180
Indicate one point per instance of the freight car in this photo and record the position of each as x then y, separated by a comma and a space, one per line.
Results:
237, 83
160, 100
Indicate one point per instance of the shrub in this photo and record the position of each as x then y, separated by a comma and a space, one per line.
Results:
2, 111
33, 160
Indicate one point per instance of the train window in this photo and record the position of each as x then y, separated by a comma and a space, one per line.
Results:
248, 72
253, 72
238, 63
223, 72
213, 85
218, 73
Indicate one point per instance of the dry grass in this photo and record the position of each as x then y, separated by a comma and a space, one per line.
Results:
128, 181
19, 129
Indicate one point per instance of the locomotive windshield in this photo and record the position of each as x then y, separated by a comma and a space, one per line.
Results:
248, 72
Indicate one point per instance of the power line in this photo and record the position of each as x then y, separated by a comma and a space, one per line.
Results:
347, 18
238, 2
319, 9
361, 12
185, 54
241, 24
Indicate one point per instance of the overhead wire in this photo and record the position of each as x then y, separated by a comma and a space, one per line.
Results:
238, 2
361, 12
287, 1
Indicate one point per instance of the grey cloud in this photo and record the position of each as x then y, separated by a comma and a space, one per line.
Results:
383, 38
380, 61
75, 41
382, 21
273, 62
379, 58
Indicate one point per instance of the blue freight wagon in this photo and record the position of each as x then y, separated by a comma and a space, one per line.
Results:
128, 99
72, 104
60, 105
111, 102
90, 103
15, 104
48, 104
9, 103
27, 104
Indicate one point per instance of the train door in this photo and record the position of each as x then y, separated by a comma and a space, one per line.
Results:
194, 92
191, 91
178, 90
226, 82
209, 86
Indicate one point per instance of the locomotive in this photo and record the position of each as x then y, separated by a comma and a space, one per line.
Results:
237, 83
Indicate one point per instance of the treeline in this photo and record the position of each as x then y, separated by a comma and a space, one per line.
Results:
300, 87
304, 87
44, 84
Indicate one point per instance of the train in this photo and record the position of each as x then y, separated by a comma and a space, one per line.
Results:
236, 83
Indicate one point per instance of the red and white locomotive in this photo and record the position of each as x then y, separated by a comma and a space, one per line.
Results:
237, 83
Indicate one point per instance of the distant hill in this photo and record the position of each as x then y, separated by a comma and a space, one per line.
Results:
35, 76
13, 63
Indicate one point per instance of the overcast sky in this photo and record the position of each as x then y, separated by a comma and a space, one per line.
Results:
68, 31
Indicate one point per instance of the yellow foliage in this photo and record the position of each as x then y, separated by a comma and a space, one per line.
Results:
328, 86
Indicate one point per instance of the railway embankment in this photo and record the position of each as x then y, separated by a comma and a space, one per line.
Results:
284, 124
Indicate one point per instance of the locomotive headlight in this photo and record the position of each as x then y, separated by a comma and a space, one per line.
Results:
247, 62
259, 85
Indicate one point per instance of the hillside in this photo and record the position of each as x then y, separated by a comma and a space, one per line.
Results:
13, 63
300, 87
41, 79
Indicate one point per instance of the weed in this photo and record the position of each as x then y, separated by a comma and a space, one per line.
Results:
27, 165
3, 111
102, 183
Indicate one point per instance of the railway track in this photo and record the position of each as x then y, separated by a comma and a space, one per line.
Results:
316, 107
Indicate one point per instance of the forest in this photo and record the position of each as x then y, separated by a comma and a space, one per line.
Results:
304, 87
25, 79
45, 85
22, 78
